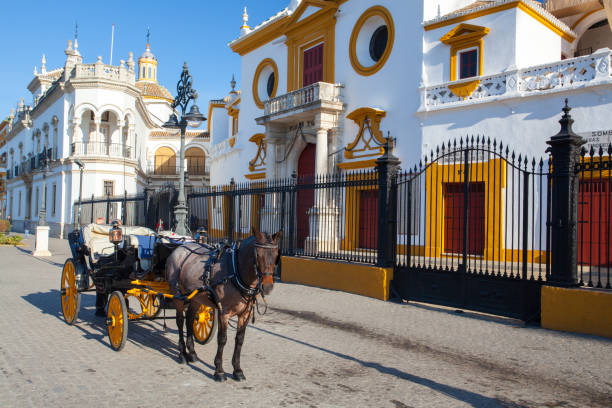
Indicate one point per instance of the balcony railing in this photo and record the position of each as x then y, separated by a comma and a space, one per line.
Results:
195, 169
102, 149
318, 92
100, 70
563, 75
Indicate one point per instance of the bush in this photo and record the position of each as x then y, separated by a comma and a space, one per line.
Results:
5, 226
10, 239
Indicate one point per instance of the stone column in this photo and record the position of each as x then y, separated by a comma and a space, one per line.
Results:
95, 144
122, 143
323, 217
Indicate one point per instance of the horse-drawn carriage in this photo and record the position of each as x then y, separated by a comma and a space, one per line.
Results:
135, 267
126, 266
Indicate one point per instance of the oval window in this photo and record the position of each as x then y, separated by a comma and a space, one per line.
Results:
378, 43
270, 84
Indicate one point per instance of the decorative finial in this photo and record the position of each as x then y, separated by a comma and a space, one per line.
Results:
233, 83
185, 66
35, 70
21, 104
148, 36
69, 47
12, 114
245, 18
245, 29
99, 59
43, 62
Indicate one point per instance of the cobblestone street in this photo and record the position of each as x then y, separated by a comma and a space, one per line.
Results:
314, 348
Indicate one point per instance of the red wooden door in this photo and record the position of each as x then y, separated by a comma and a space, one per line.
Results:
594, 223
453, 218
313, 65
305, 197
368, 219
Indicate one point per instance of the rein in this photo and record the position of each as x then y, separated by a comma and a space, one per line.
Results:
244, 289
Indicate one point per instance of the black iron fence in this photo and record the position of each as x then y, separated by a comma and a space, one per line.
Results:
594, 217
332, 216
475, 206
130, 209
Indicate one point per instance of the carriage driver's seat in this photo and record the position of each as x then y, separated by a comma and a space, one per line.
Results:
95, 236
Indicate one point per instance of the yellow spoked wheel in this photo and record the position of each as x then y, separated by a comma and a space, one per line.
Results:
151, 304
70, 297
204, 324
117, 320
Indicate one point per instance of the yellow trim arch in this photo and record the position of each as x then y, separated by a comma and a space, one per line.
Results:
268, 62
386, 15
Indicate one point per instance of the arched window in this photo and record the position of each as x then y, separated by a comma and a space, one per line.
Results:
196, 161
165, 161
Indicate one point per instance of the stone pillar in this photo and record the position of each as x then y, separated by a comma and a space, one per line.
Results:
323, 217
95, 145
122, 144
42, 241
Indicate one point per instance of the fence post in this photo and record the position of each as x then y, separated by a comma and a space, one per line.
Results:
387, 166
466, 203
565, 152
292, 215
230, 209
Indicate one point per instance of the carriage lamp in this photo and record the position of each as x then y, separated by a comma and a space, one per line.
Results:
115, 235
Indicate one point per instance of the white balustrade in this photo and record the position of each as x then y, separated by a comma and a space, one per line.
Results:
318, 92
102, 71
558, 76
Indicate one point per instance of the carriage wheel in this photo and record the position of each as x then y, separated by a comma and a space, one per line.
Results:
204, 324
151, 304
117, 320
70, 296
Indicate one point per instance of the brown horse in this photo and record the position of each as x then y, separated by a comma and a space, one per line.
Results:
241, 273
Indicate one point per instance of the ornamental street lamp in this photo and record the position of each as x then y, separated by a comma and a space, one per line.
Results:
194, 118
42, 215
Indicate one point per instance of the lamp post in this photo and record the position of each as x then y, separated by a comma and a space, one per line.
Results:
41, 247
77, 217
194, 118
42, 215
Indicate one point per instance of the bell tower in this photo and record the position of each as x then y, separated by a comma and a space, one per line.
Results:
147, 64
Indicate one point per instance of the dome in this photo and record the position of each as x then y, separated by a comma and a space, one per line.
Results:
147, 54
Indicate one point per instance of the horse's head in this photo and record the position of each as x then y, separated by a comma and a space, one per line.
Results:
267, 257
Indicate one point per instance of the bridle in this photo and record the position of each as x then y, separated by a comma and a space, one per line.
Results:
236, 279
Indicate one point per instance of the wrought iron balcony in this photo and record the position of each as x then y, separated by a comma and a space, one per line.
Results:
569, 74
312, 97
102, 149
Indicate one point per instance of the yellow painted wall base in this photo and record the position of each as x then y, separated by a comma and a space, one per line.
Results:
364, 280
577, 310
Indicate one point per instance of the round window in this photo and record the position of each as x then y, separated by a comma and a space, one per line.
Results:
265, 82
371, 40
378, 43
270, 84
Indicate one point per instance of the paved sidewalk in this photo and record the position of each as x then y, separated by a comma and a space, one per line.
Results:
314, 348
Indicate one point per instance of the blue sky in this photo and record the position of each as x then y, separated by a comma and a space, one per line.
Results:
192, 31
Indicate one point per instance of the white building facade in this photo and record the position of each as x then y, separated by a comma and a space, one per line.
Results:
106, 117
329, 79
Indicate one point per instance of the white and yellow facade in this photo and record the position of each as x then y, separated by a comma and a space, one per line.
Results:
107, 117
439, 71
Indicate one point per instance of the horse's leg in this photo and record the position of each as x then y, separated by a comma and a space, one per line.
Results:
221, 340
243, 322
179, 306
191, 354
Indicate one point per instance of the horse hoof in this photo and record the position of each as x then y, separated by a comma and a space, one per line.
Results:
181, 359
192, 358
239, 376
220, 377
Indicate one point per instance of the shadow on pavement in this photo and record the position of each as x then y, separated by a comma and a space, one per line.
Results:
471, 398
143, 334
48, 261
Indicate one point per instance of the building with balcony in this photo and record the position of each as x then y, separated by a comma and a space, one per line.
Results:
106, 117
323, 82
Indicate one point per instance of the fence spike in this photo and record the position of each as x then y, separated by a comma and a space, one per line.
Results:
592, 151
600, 150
